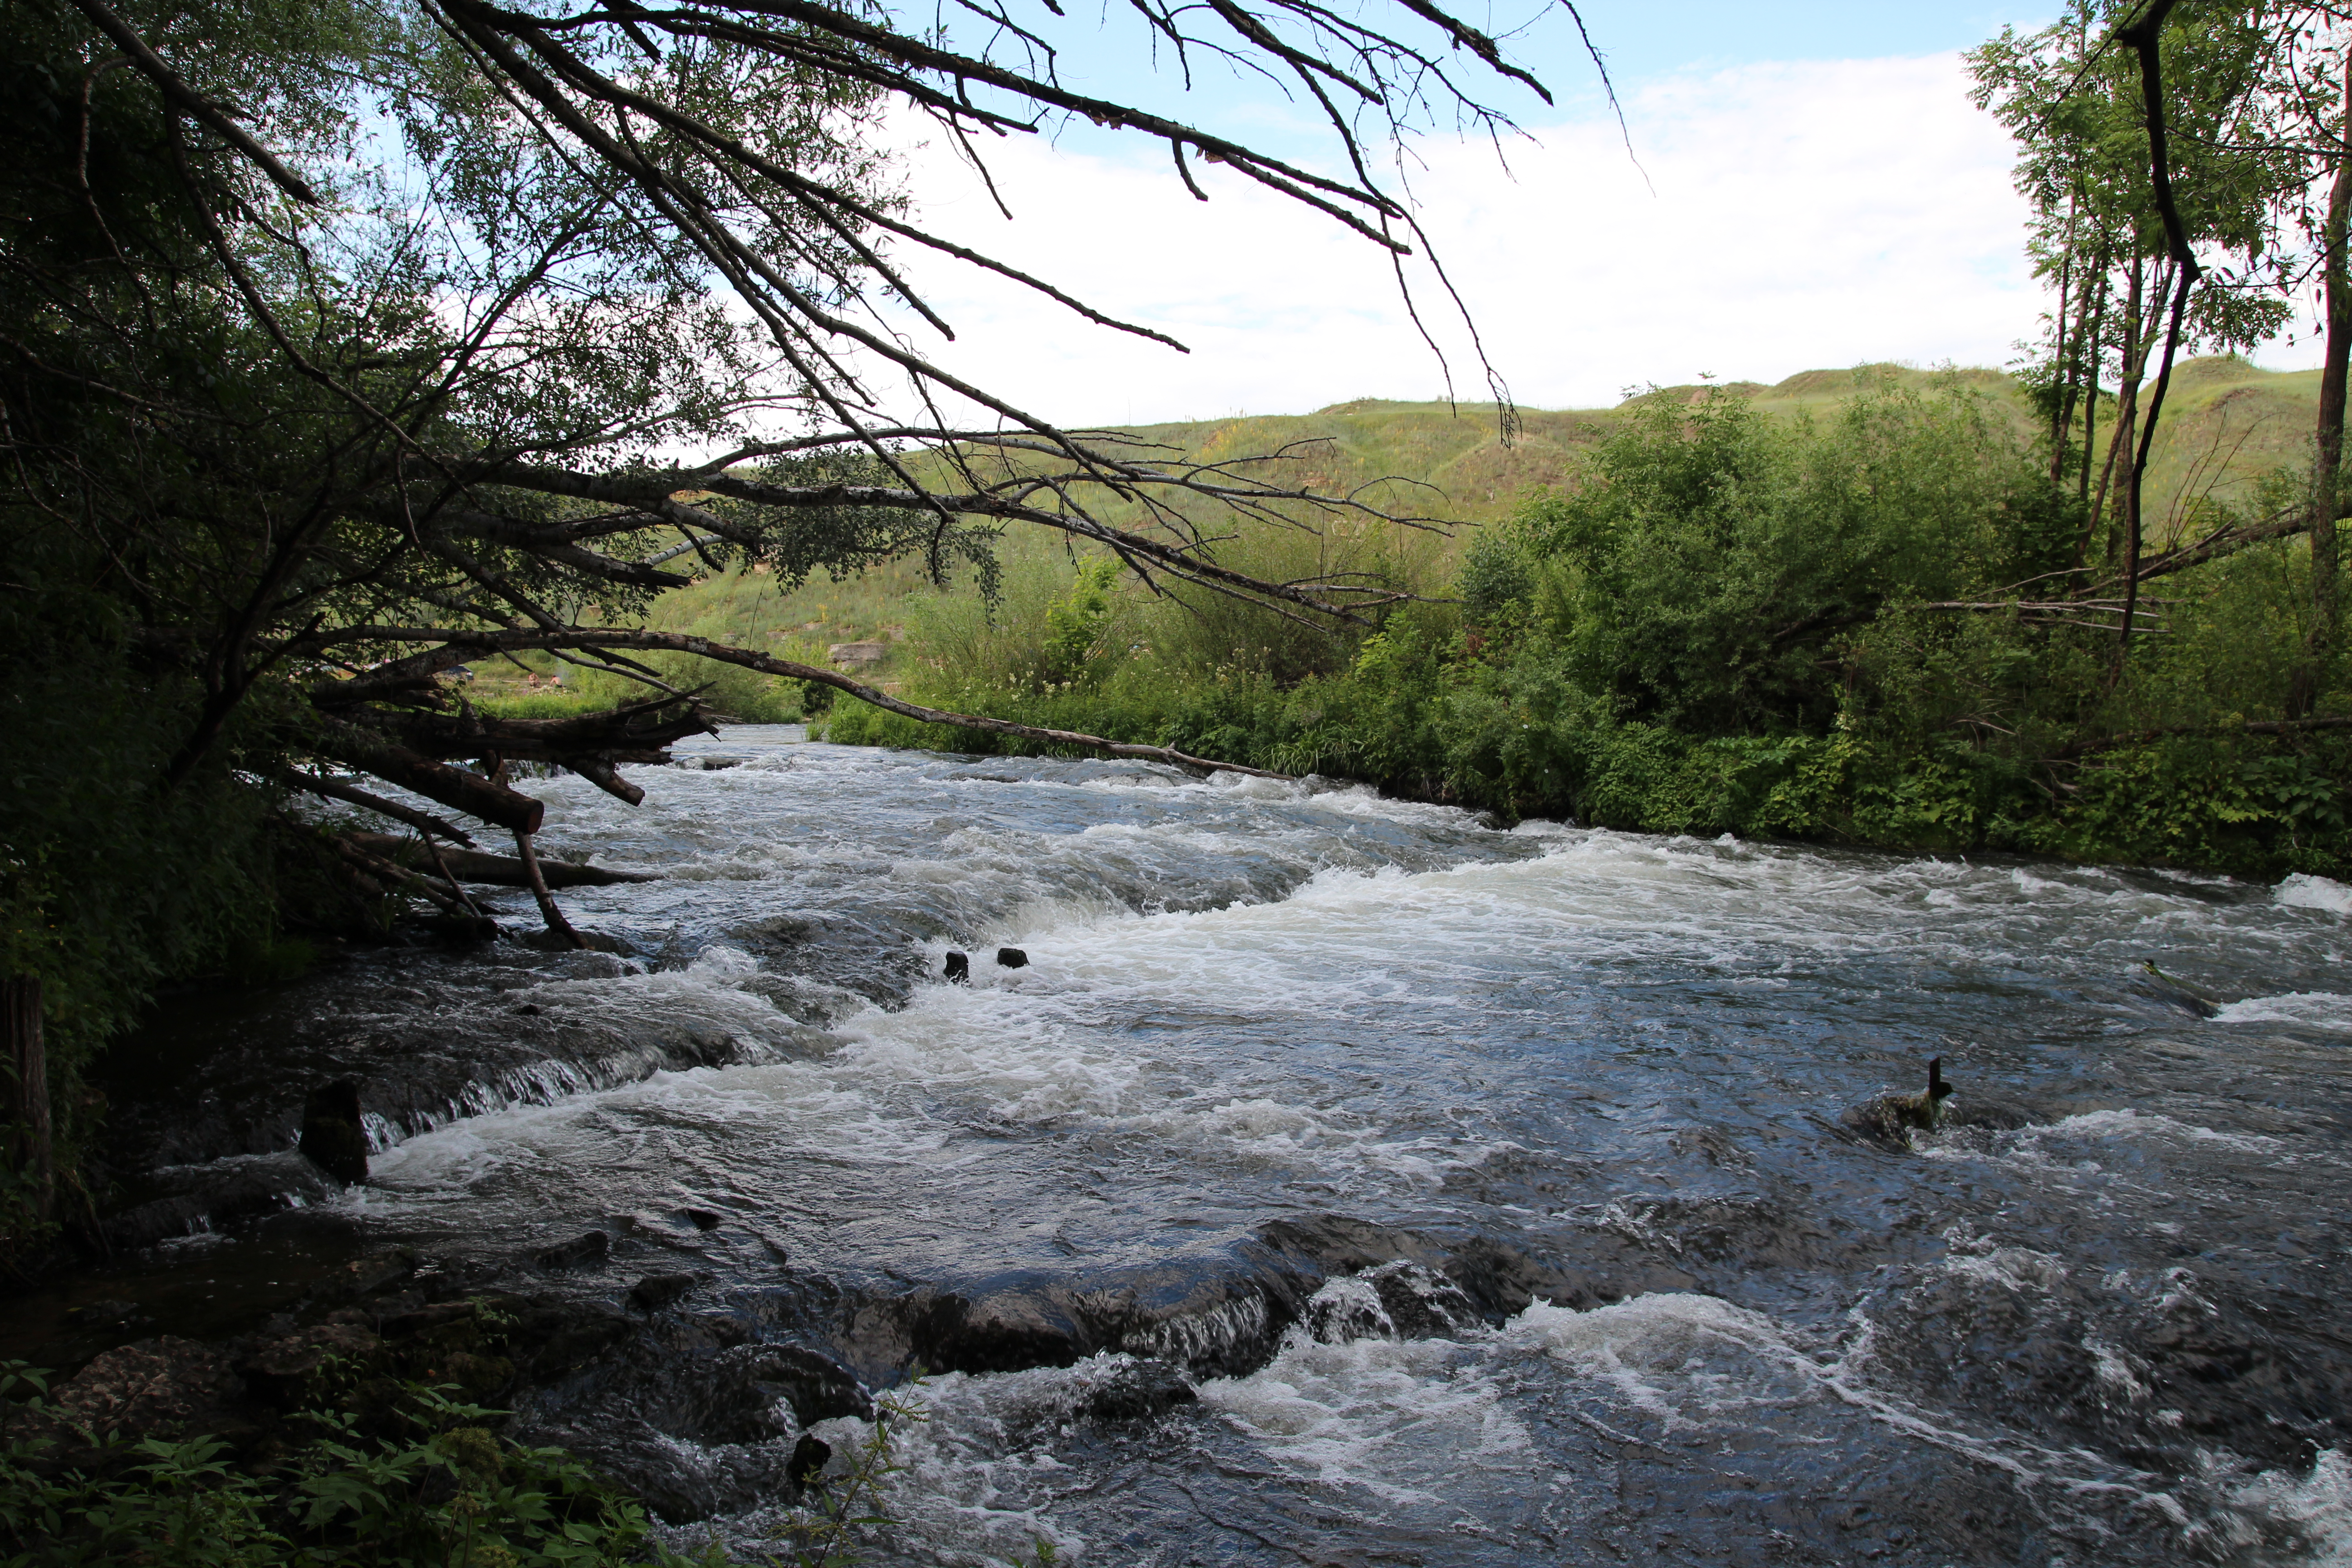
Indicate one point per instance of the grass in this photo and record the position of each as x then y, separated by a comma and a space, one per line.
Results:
2226, 424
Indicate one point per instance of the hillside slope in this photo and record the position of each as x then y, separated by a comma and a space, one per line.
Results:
2226, 424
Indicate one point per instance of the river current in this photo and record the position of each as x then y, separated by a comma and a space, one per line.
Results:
1293, 1067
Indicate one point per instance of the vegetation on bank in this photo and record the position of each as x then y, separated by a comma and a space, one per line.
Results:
1796, 629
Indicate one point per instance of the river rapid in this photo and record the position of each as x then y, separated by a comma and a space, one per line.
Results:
1348, 1181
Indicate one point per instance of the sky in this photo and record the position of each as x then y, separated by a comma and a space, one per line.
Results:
1808, 186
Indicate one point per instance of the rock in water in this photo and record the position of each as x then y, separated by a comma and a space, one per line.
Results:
332, 1139
959, 969
1011, 958
810, 1457
593, 1247
657, 1291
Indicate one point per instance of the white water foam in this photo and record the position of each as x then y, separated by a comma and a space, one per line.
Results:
2303, 891
2315, 1009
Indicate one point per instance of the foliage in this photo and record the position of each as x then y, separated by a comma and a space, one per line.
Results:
453, 1493
1731, 623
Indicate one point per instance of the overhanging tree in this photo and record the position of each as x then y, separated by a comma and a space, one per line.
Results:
342, 340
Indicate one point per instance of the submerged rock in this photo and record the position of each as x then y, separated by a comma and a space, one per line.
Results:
657, 1291
333, 1137
580, 1253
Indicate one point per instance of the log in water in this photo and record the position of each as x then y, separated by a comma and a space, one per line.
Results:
1344, 1180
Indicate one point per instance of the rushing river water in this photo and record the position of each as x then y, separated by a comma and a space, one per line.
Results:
1488, 1189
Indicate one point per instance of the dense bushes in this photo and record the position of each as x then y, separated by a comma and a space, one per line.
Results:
1733, 625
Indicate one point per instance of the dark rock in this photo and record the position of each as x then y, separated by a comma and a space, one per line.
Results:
1140, 1391
1011, 958
287, 1371
716, 765
817, 1386
367, 1275
218, 1196
656, 1290
1501, 1281
1420, 1304
810, 1457
704, 1219
959, 969
332, 1138
587, 1250
551, 1340
425, 1320
167, 1387
701, 1434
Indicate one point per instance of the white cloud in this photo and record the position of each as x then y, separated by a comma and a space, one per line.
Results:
1803, 215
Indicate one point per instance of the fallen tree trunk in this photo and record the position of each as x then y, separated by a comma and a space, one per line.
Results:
498, 870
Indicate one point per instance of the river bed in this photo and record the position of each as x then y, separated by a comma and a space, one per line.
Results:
1452, 1194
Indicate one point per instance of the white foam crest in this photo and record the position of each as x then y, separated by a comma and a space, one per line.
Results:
2316, 1508
1020, 1062
967, 1483
2131, 1125
707, 991
2311, 1009
1397, 1419
2301, 891
575, 1139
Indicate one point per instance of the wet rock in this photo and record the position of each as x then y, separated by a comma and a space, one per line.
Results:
332, 1138
959, 969
366, 1275
1420, 1304
1139, 1392
1499, 1280
810, 1457
2175, 994
658, 1290
1011, 958
552, 1339
703, 1219
216, 1197
167, 1387
582, 1252
699, 1435
1346, 1310
718, 764
287, 1371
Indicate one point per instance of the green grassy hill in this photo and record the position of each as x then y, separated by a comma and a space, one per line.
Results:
2226, 424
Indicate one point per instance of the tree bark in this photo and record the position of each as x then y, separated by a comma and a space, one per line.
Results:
31, 1151
2319, 638
2144, 36
2126, 410
548, 910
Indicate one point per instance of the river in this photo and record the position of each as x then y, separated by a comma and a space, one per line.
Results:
1396, 1189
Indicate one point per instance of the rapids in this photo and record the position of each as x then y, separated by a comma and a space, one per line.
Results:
2099, 1318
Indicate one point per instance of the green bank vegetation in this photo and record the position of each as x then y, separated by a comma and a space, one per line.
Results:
1725, 618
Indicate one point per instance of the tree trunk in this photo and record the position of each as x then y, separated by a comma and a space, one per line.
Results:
2319, 638
549, 909
2061, 399
2126, 407
29, 1151
2091, 393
